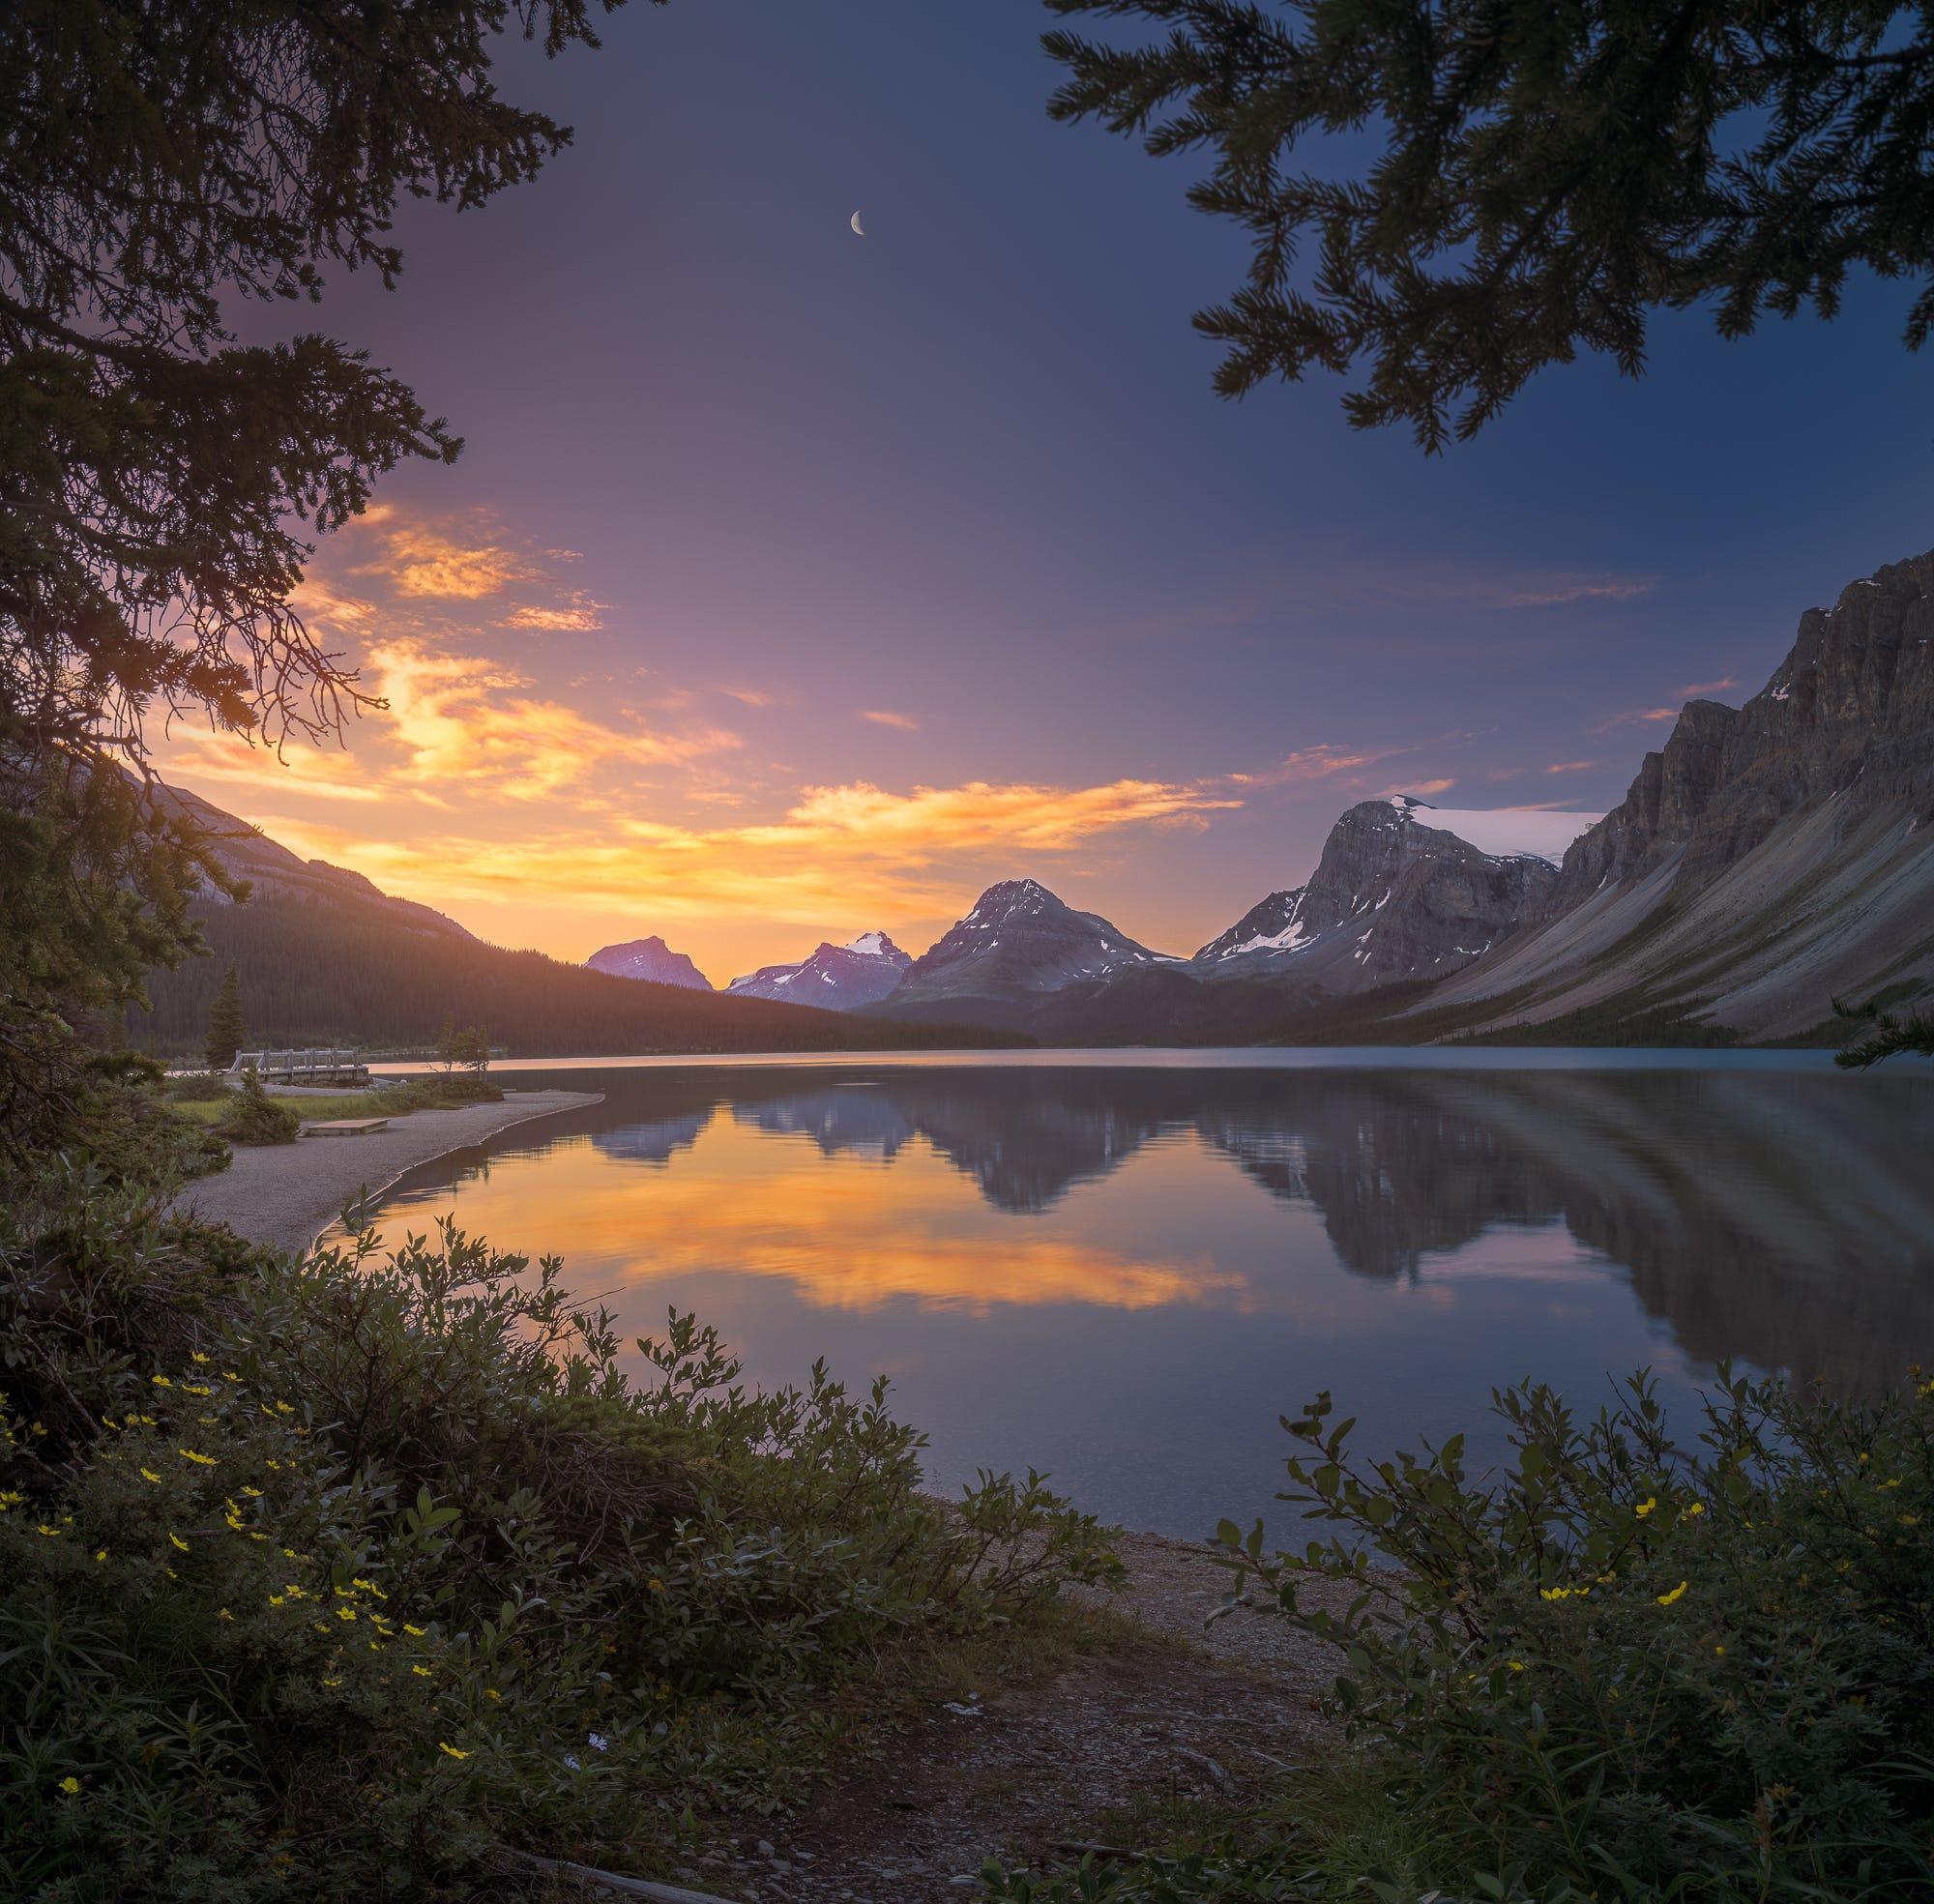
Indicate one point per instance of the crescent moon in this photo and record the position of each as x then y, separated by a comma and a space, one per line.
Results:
858, 229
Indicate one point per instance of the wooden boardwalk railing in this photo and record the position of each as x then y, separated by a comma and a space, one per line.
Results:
312, 1064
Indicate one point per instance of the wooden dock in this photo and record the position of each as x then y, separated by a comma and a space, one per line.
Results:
345, 1127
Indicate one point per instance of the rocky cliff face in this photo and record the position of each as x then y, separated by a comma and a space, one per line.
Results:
652, 961
1017, 942
1393, 897
1768, 857
836, 977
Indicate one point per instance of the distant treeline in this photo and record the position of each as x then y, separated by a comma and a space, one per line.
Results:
346, 974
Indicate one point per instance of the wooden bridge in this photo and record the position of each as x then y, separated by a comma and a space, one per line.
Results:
313, 1065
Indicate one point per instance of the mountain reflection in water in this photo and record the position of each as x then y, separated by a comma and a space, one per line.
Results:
1179, 1255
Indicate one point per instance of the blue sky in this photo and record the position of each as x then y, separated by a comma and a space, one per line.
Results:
968, 472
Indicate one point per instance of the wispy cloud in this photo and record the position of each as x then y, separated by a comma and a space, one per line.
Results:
1632, 715
1570, 766
1420, 790
1308, 765
1701, 687
886, 717
752, 697
578, 614
1554, 590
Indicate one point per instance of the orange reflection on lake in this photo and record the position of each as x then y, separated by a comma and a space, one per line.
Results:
852, 1230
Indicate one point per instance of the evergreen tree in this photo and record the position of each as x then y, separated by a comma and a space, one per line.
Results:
161, 163
1447, 195
226, 1031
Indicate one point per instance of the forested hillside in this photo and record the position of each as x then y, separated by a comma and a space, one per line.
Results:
350, 971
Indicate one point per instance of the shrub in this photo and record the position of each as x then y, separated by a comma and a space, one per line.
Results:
1627, 1668
257, 1118
351, 1576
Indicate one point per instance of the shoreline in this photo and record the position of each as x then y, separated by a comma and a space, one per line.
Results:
286, 1195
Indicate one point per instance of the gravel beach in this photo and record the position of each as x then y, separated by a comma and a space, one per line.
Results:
287, 1194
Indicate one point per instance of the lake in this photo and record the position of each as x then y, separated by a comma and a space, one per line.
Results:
1123, 1266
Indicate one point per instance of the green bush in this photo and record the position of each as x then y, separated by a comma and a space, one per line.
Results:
1627, 1668
256, 1118
353, 1576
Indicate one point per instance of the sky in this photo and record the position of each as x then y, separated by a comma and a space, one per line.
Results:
794, 584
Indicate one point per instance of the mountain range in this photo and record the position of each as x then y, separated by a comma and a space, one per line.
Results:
1766, 861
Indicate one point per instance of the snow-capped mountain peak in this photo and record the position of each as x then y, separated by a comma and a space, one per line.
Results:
836, 977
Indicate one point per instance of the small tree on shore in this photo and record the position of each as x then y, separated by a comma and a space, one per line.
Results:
227, 1029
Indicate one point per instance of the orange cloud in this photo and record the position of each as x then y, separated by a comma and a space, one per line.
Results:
854, 851
886, 717
582, 616
419, 560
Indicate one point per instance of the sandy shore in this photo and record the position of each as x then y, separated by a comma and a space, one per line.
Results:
287, 1194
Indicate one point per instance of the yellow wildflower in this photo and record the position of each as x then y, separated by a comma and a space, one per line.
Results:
421, 1672
345, 1613
148, 1474
1553, 1593
1517, 1665
251, 1493
70, 1785
177, 1543
1697, 1507
224, 1614
10, 1497
197, 1355
1678, 1592
52, 1533
161, 1381
100, 1553
199, 1460
230, 1375
491, 1693
451, 1751
1645, 1506
415, 1632
278, 1600
332, 1681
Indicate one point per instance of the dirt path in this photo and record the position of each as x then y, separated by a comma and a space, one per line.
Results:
1173, 1711
287, 1194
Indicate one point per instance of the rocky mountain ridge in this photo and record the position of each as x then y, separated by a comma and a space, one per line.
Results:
651, 960
1018, 943
836, 977
1768, 857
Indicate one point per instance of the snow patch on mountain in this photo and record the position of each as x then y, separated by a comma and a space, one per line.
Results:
1505, 833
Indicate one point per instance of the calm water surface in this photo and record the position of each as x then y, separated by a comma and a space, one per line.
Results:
1123, 1266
